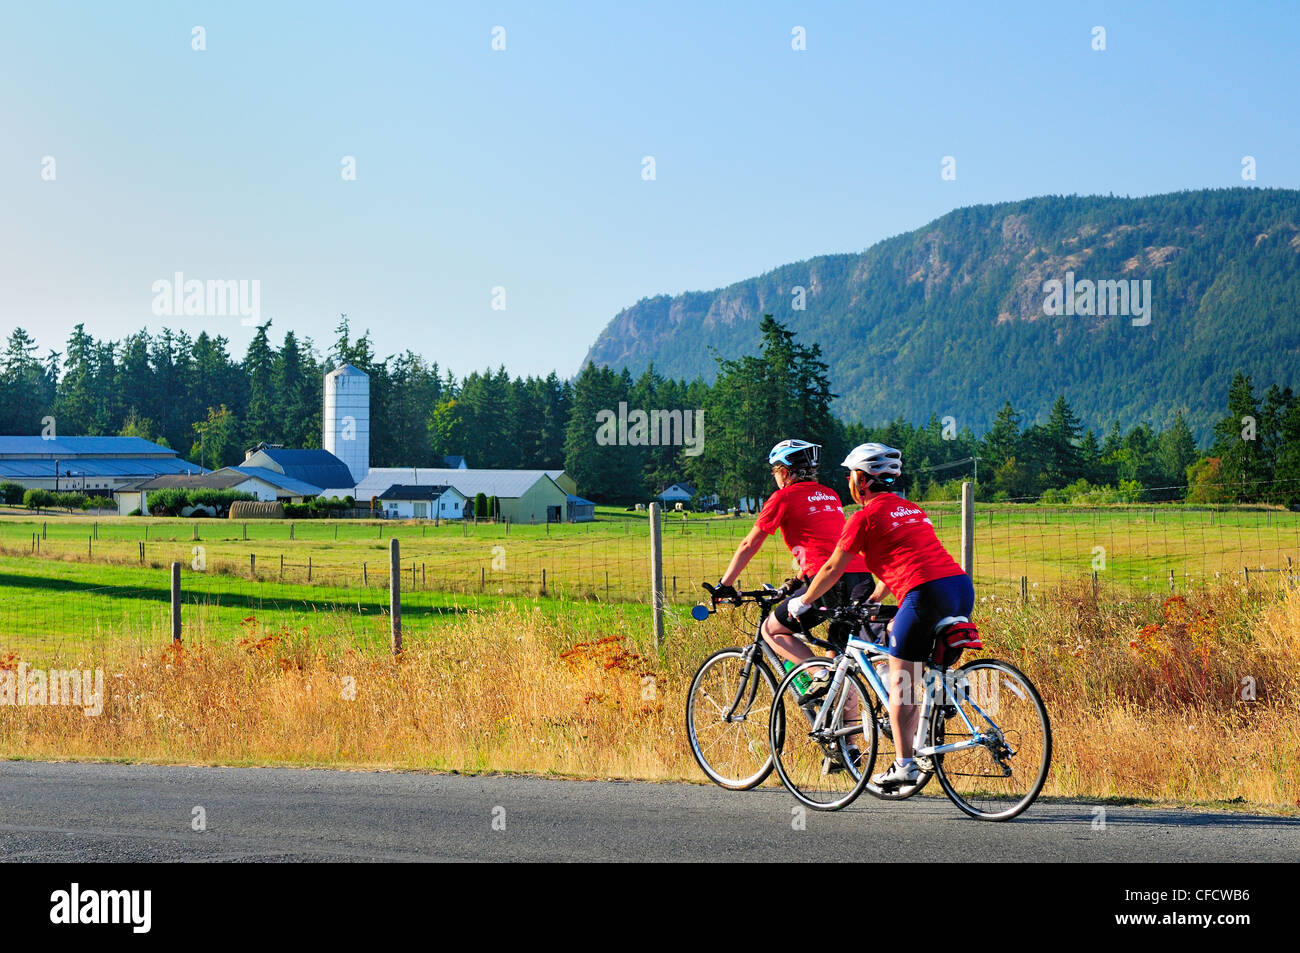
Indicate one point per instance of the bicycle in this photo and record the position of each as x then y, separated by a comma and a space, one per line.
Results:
975, 765
733, 690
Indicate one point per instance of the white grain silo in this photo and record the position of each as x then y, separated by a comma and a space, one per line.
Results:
345, 419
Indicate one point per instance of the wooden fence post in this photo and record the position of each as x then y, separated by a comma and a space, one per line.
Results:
968, 527
176, 603
395, 594
656, 575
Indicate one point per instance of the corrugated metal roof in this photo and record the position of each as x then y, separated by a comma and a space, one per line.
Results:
71, 446
96, 467
507, 484
295, 486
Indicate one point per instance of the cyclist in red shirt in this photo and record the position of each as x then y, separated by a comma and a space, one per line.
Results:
898, 543
810, 519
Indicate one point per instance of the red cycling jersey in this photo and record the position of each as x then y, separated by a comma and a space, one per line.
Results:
898, 542
810, 519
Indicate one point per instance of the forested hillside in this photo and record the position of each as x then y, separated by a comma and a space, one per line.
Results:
949, 319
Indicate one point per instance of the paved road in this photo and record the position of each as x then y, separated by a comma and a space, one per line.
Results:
109, 812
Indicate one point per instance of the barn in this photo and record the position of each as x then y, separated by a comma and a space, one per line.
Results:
65, 464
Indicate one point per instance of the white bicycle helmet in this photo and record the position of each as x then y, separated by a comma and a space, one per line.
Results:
795, 454
883, 464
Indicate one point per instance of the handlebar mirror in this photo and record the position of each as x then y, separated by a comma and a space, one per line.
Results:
699, 613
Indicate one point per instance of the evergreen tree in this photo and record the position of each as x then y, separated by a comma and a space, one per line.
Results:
1236, 441
1176, 451
1002, 441
261, 422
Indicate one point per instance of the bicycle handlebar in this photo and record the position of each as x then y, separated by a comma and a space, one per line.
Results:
767, 594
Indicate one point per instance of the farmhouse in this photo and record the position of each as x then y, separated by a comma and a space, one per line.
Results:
86, 463
525, 496
405, 501
677, 493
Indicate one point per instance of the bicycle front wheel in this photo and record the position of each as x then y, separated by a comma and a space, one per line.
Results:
827, 767
887, 750
996, 779
727, 718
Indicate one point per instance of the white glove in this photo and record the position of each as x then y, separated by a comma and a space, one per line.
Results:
796, 606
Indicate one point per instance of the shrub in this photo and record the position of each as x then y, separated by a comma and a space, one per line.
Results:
168, 501
480, 506
135, 512
70, 501
39, 500
11, 494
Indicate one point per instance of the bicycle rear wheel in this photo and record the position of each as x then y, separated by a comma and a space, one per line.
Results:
997, 779
826, 769
730, 743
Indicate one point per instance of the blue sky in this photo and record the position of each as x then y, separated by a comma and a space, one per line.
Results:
522, 168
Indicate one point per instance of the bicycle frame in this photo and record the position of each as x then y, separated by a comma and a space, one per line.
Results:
745, 673
855, 657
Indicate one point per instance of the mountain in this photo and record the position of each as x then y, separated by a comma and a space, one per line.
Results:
951, 319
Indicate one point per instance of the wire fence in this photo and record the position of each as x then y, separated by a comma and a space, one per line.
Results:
77, 581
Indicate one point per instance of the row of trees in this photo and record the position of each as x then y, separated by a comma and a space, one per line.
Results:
189, 393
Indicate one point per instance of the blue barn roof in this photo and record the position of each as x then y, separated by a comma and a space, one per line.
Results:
317, 467
73, 446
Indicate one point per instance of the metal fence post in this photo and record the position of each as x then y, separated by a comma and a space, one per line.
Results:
968, 527
176, 603
656, 575
395, 594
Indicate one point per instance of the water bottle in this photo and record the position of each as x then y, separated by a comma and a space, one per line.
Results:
801, 681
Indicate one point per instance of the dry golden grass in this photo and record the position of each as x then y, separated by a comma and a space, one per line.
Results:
1146, 697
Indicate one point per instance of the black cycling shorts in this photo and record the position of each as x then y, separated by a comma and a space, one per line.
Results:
850, 587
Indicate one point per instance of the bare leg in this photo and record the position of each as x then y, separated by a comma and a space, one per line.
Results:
903, 710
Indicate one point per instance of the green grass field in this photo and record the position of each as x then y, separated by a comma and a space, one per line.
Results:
50, 605
81, 577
